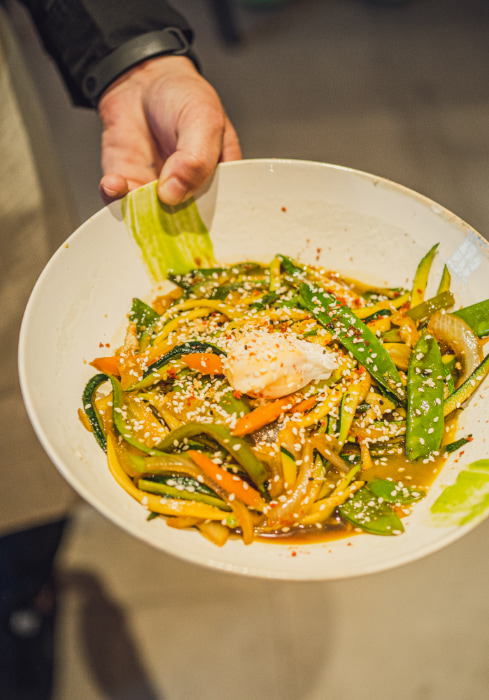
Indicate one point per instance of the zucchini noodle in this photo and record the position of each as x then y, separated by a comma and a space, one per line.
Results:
277, 401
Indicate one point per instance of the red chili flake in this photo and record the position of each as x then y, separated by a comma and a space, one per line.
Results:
101, 345
293, 554
470, 438
284, 208
172, 373
237, 394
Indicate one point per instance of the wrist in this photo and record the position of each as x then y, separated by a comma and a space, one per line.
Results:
167, 42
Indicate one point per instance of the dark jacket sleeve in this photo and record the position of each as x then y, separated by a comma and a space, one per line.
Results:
78, 34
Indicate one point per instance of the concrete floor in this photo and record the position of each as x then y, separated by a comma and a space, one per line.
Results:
399, 91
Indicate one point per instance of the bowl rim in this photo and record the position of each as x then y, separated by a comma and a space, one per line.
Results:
117, 518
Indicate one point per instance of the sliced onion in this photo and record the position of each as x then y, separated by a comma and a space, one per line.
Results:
330, 448
289, 510
453, 331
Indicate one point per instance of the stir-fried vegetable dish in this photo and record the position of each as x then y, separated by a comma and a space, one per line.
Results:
283, 401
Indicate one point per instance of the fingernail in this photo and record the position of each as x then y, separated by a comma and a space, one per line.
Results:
110, 191
172, 191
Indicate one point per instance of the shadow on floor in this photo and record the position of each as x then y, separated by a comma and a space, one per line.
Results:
111, 654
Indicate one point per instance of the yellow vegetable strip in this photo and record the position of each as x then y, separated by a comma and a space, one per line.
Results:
322, 510
366, 311
325, 407
179, 321
355, 394
212, 304
156, 504
365, 455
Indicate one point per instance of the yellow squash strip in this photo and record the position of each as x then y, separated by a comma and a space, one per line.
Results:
179, 321
367, 311
156, 504
211, 304
330, 402
322, 510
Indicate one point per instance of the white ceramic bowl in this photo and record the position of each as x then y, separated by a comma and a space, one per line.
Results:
347, 220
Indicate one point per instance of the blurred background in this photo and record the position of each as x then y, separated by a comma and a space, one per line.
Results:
400, 89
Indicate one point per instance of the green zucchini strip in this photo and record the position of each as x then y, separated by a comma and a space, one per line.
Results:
169, 238
421, 277
465, 390
154, 371
90, 409
236, 447
424, 310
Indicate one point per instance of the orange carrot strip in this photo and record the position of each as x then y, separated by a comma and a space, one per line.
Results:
204, 362
263, 415
229, 482
107, 365
305, 405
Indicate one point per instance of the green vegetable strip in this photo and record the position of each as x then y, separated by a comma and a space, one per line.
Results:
153, 372
142, 315
425, 426
274, 269
371, 513
424, 310
177, 491
197, 276
349, 404
90, 410
477, 317
392, 492
445, 281
466, 390
118, 416
454, 446
421, 277
236, 447
355, 336
170, 238
448, 379
376, 310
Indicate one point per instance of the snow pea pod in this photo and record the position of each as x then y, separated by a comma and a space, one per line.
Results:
355, 336
394, 492
425, 426
371, 513
143, 316
477, 317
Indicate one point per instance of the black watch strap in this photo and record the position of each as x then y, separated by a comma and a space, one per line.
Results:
169, 41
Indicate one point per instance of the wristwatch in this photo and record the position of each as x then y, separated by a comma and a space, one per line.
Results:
165, 42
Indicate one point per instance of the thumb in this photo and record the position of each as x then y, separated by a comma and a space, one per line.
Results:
200, 134
183, 174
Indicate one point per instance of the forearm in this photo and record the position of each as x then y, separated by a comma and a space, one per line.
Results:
94, 40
